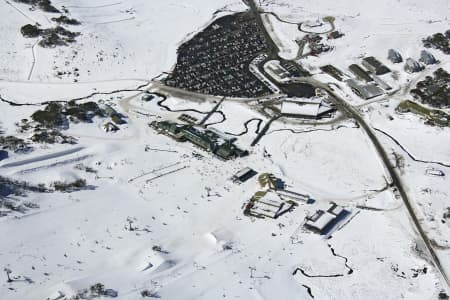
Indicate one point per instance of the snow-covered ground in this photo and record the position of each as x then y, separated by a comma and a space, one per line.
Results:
134, 39
189, 238
76, 240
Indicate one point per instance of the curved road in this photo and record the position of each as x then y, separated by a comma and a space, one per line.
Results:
353, 113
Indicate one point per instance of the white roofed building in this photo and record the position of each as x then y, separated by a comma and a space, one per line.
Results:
310, 110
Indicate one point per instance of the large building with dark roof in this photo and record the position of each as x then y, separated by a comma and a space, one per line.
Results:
375, 66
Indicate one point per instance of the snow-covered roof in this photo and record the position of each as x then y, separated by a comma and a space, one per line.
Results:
243, 172
335, 209
366, 91
304, 109
320, 220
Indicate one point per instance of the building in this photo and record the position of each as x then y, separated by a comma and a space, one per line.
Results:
208, 139
114, 115
335, 209
276, 71
427, 58
285, 194
381, 83
147, 97
264, 204
335, 35
306, 110
365, 91
375, 66
268, 204
109, 111
394, 56
360, 73
244, 175
412, 66
333, 72
187, 119
322, 222
110, 127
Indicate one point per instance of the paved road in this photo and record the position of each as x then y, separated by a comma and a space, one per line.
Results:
353, 113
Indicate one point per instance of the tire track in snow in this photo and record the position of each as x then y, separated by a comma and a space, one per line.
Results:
33, 51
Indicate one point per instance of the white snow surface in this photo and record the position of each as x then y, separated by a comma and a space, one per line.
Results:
191, 239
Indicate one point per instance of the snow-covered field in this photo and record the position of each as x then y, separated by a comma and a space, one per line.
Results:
133, 39
75, 240
165, 217
370, 27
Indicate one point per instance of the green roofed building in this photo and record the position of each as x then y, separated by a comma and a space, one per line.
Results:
206, 139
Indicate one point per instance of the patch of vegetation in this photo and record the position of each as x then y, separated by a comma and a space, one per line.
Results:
83, 112
87, 169
69, 186
66, 20
18, 188
439, 41
51, 136
150, 294
446, 214
58, 36
95, 291
51, 116
434, 90
44, 5
14, 144
30, 31
432, 117
56, 115
48, 122
50, 37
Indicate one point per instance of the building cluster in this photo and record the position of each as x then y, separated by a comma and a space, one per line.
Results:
207, 139
439, 41
434, 90
216, 60
366, 81
273, 200
367, 84
315, 44
412, 65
